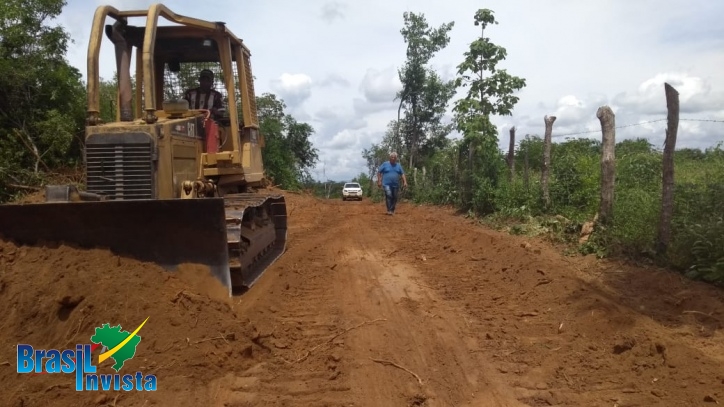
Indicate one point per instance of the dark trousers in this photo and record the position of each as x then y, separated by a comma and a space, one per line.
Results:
391, 195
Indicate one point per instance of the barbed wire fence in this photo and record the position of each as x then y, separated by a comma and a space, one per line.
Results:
582, 181
636, 125
515, 146
595, 131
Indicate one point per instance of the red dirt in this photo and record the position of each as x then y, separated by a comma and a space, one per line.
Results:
360, 307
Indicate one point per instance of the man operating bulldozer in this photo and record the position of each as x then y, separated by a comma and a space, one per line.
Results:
204, 97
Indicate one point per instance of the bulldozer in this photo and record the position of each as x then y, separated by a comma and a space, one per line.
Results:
166, 182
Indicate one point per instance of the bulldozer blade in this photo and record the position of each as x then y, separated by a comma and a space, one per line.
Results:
165, 232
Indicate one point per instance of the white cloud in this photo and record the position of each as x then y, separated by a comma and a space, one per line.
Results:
616, 53
334, 79
380, 86
331, 122
365, 107
332, 11
695, 95
293, 88
342, 140
341, 154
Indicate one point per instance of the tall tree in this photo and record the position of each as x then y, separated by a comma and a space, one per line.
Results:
487, 95
490, 91
424, 95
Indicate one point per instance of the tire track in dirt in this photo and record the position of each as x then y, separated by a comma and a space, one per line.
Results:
423, 333
353, 302
482, 318
294, 312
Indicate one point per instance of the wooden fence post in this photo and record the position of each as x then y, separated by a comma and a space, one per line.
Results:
608, 163
511, 154
547, 159
525, 168
667, 198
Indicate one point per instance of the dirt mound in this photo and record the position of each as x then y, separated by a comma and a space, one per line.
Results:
54, 297
557, 327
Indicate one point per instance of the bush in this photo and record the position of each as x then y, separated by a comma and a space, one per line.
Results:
697, 245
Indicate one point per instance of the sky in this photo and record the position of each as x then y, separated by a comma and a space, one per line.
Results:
335, 63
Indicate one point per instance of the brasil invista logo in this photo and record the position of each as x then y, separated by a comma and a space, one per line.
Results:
118, 345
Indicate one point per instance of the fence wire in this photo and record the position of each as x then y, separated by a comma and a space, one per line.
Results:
634, 125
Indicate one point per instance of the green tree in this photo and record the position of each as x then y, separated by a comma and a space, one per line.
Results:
42, 108
487, 95
363, 179
288, 153
424, 95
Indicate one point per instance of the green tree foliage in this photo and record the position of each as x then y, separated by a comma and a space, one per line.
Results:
424, 95
288, 153
487, 95
490, 92
42, 108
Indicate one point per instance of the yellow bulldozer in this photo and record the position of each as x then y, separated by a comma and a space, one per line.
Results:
165, 181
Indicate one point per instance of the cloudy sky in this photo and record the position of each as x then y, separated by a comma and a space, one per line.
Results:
335, 62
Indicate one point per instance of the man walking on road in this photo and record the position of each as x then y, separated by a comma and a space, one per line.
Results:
388, 177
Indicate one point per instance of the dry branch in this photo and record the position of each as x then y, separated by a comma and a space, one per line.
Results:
186, 294
24, 187
392, 252
222, 337
309, 352
57, 386
387, 362
169, 347
27, 141
700, 313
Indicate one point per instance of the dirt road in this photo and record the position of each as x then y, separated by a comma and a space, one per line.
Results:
420, 309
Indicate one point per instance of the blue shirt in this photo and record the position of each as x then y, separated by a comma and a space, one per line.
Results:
391, 173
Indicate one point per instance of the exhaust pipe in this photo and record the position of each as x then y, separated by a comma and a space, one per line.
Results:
123, 66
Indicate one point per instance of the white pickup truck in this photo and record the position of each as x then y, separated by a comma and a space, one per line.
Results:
351, 190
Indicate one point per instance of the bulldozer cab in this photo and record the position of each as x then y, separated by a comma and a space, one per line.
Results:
168, 61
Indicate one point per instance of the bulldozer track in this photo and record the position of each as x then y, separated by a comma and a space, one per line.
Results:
256, 229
